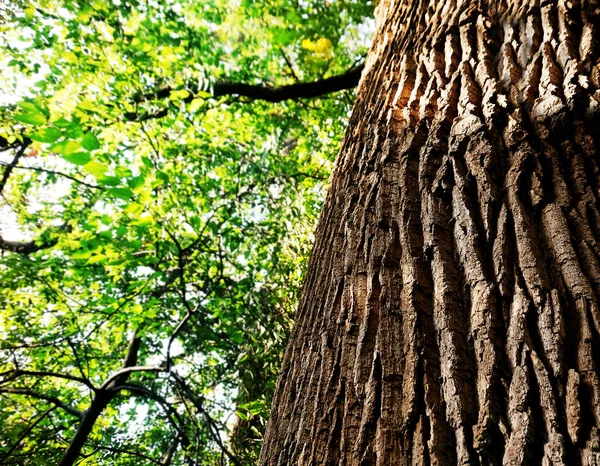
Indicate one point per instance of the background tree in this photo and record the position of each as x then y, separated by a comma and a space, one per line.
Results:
162, 166
450, 312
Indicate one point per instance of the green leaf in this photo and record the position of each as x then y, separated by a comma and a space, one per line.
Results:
34, 107
123, 172
243, 416
47, 135
134, 208
65, 147
78, 158
62, 123
143, 221
81, 255
136, 182
96, 168
31, 118
137, 308
74, 130
178, 95
109, 180
121, 193
195, 105
96, 259
146, 161
90, 141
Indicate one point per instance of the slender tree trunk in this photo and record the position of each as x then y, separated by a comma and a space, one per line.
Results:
450, 313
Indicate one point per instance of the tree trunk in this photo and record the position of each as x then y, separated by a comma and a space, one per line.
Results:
450, 313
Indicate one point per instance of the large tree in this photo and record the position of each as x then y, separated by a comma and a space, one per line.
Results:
450, 312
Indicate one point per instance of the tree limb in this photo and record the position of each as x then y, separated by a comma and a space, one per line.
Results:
25, 247
300, 90
90, 416
112, 380
103, 397
198, 403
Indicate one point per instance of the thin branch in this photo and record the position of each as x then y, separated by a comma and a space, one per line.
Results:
29, 247
25, 433
197, 402
174, 335
289, 64
41, 396
174, 417
302, 90
14, 374
52, 172
12, 165
76, 354
168, 456
307, 175
126, 452
26, 247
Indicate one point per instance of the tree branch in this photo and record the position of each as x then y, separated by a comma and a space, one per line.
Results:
198, 403
168, 456
101, 400
90, 416
12, 375
126, 452
52, 172
10, 166
5, 145
113, 379
41, 396
300, 90
25, 247
24, 434
174, 417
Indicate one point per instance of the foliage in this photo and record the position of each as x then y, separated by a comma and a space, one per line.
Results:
154, 236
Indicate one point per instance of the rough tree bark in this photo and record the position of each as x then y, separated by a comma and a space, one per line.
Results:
450, 313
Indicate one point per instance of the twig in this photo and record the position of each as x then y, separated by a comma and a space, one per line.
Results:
52, 172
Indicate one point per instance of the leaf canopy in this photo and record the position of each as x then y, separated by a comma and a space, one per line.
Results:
154, 235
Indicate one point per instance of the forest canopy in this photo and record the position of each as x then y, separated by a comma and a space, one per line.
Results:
162, 166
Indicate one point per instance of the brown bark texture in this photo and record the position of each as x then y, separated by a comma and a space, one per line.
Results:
450, 313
